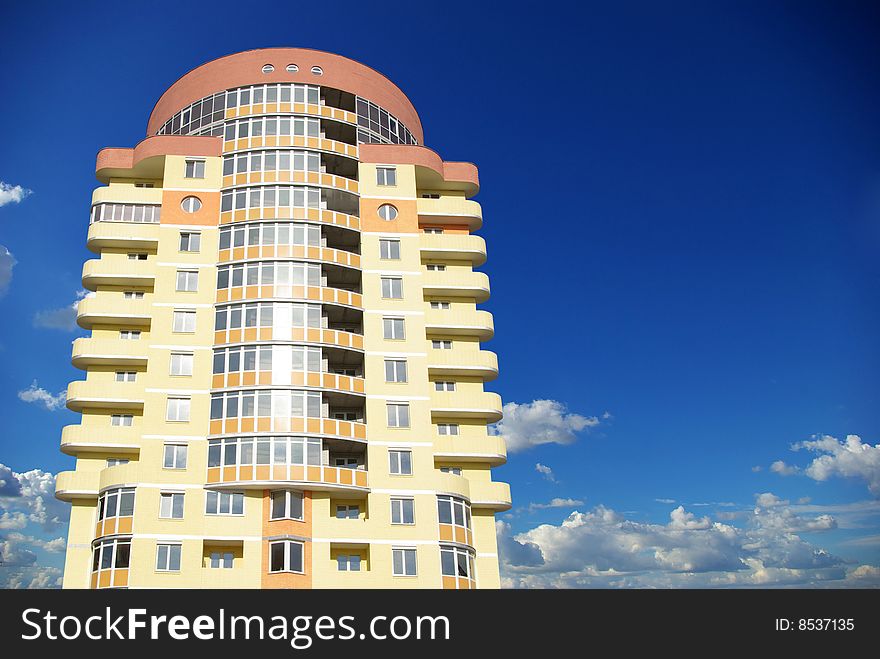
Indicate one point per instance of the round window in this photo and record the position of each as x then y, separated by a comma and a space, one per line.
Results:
387, 212
292, 68
268, 68
191, 204
317, 70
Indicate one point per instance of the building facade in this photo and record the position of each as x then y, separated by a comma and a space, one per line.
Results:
283, 380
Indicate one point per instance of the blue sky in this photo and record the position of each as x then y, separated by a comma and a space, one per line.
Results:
682, 207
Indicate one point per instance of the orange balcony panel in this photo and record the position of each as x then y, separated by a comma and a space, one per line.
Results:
446, 533
449, 583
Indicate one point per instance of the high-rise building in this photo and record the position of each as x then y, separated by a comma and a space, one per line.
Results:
283, 382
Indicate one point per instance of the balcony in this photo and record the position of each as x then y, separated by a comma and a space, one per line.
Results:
460, 322
323, 478
490, 494
83, 395
108, 352
77, 439
454, 283
70, 485
450, 210
490, 449
109, 310
126, 194
454, 246
453, 484
119, 476
466, 405
476, 363
122, 235
117, 272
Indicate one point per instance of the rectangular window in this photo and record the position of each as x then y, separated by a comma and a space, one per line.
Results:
137, 256
184, 321
190, 242
400, 462
451, 470
436, 267
181, 363
404, 562
286, 556
447, 428
444, 386
171, 505
348, 562
126, 376
133, 295
224, 503
386, 176
175, 456
177, 409
187, 280
129, 335
222, 560
440, 305
392, 288
434, 230
398, 415
287, 505
456, 562
395, 370
403, 511
115, 462
393, 328
168, 558
389, 249
195, 169
121, 419
441, 345
347, 512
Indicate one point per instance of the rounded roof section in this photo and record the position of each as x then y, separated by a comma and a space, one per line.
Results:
246, 68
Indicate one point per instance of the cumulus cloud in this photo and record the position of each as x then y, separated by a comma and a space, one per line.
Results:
36, 394
850, 458
602, 548
526, 425
665, 500
556, 502
779, 467
546, 472
12, 194
63, 318
7, 263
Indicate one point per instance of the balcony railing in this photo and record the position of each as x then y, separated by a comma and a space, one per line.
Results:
88, 351
107, 310
455, 246
490, 449
118, 396
479, 363
128, 236
460, 322
450, 210
457, 284
466, 405
311, 477
117, 270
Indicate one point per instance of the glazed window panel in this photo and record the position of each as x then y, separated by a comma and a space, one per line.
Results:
224, 503
456, 562
168, 557
135, 213
287, 504
271, 233
272, 161
284, 403
402, 511
453, 510
116, 503
110, 554
403, 562
286, 556
269, 273
269, 196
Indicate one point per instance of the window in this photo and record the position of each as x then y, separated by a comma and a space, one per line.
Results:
168, 557
400, 462
139, 256
387, 212
191, 204
395, 370
348, 562
403, 511
110, 554
224, 503
175, 456
115, 462
345, 511
451, 470
393, 328
121, 419
398, 415
443, 344
187, 280
190, 242
436, 267
181, 363
267, 68
222, 560
171, 505
286, 556
444, 386
447, 428
143, 185
430, 195
116, 503
194, 169
452, 510
456, 562
130, 335
389, 249
126, 376
178, 409
392, 288
439, 305
403, 562
184, 321
346, 463
292, 68
434, 230
287, 505
133, 295
317, 70
386, 176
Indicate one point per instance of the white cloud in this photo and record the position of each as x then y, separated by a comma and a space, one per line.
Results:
7, 263
779, 467
36, 394
35, 577
526, 425
12, 194
546, 472
63, 318
665, 500
556, 502
847, 459
602, 548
